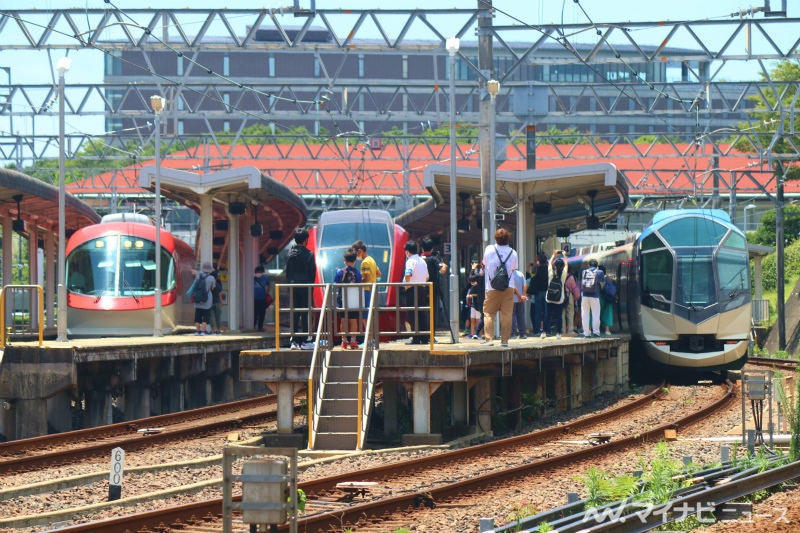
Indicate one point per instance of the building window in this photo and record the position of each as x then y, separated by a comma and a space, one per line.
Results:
226, 125
316, 66
180, 65
271, 66
181, 104
226, 99
113, 64
180, 127
360, 65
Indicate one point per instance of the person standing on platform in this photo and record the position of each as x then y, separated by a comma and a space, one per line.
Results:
348, 299
202, 309
301, 268
416, 271
556, 292
572, 297
608, 298
370, 273
475, 296
216, 304
537, 289
436, 269
520, 297
260, 293
497, 255
591, 278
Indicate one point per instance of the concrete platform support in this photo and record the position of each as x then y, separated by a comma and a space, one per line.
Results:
575, 386
173, 391
609, 369
390, 399
560, 389
589, 379
623, 367
422, 407
59, 414
458, 409
137, 401
98, 406
285, 407
7, 429
31, 418
482, 392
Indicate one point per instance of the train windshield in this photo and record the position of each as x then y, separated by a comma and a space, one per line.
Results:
336, 238
118, 265
706, 261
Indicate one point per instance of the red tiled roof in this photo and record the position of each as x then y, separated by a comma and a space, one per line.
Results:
330, 169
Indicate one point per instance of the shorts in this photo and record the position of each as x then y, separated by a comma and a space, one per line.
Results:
202, 316
474, 313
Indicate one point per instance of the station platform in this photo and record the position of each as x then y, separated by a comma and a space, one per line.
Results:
86, 382
448, 386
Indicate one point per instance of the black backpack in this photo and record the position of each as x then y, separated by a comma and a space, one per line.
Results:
500, 280
589, 282
555, 291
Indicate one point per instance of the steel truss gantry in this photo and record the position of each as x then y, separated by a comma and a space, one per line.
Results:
106, 32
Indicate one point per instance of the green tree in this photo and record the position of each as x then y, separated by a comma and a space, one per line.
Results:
766, 114
765, 234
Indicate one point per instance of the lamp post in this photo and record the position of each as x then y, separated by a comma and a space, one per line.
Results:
62, 66
453, 44
747, 208
492, 87
157, 103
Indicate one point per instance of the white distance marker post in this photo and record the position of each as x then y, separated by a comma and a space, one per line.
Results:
115, 477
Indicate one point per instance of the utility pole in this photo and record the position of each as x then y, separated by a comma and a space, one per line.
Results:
486, 67
779, 255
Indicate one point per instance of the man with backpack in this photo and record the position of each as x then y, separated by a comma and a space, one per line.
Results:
201, 297
557, 278
499, 261
592, 280
436, 269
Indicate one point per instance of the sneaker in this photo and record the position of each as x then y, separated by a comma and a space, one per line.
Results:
308, 345
294, 346
523, 336
543, 335
595, 334
558, 335
475, 337
607, 333
487, 342
504, 344
197, 333
345, 344
354, 345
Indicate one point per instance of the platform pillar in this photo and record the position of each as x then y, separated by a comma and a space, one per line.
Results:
609, 370
458, 408
137, 401
390, 399
286, 407
483, 402
589, 382
422, 407
623, 366
560, 389
59, 414
31, 418
575, 386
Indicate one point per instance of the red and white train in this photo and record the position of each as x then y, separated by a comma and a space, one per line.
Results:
111, 272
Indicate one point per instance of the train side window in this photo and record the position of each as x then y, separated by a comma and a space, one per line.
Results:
657, 268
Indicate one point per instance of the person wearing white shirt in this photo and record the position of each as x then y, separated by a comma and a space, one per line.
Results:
416, 271
498, 300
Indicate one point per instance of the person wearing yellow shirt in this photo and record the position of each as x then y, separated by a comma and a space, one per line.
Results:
370, 272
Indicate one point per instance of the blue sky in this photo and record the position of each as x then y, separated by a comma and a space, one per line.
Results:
35, 66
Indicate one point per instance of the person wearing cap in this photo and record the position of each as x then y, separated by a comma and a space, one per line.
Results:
592, 280
202, 310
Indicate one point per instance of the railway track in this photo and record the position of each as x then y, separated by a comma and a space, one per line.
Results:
779, 364
64, 448
327, 510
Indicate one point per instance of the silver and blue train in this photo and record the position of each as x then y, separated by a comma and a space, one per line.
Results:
684, 290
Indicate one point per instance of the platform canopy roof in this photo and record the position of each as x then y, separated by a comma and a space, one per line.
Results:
562, 197
38, 204
276, 207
